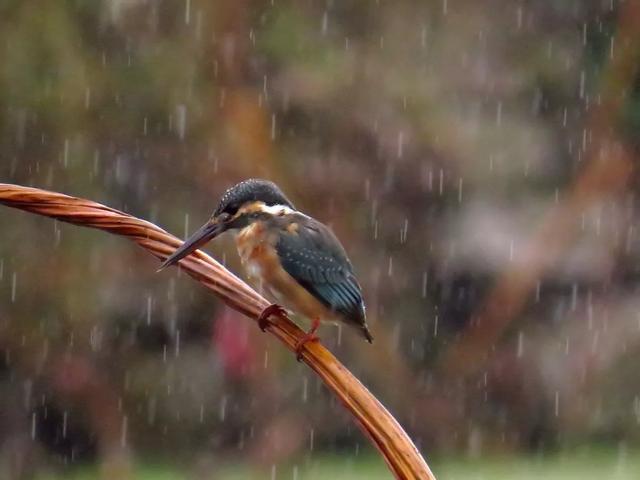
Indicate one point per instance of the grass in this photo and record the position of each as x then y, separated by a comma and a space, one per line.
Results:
587, 464
583, 464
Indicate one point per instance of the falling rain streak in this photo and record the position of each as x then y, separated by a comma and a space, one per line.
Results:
14, 286
476, 164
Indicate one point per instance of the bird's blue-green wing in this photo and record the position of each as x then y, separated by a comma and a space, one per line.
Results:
313, 256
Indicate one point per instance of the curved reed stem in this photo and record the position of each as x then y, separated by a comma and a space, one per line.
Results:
378, 424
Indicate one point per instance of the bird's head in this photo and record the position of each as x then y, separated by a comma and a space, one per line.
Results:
241, 205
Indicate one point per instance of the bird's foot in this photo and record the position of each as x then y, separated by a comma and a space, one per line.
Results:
310, 336
273, 309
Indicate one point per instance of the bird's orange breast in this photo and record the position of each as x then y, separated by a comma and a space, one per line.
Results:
256, 247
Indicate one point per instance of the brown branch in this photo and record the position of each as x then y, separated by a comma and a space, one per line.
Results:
378, 424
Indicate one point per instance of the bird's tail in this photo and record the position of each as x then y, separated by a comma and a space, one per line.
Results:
366, 333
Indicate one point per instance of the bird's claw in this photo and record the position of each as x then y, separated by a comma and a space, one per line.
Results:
308, 337
274, 309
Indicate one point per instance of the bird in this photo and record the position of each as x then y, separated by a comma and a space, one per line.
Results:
294, 259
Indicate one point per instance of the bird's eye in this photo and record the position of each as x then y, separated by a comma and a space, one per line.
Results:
231, 208
224, 217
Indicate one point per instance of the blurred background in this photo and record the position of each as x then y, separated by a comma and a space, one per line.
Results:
477, 159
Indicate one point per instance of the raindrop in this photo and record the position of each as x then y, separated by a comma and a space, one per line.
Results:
96, 162
187, 12
520, 344
223, 408
33, 426
556, 408
425, 282
305, 389
273, 126
177, 349
28, 390
519, 17
14, 283
181, 120
125, 428
149, 299
611, 44
151, 410
95, 339
57, 234
311, 439
65, 154
404, 230
65, 418
325, 23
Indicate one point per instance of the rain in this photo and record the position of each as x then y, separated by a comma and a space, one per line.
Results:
477, 162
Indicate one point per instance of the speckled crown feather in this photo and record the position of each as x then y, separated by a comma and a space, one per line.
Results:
252, 190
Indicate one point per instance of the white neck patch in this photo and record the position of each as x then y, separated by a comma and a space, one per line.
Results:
276, 210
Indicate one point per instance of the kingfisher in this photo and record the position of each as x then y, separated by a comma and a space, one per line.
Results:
294, 259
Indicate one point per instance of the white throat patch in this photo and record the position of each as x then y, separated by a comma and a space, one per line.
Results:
276, 209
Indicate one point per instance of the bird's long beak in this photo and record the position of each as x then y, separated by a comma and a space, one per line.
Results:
208, 231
